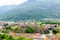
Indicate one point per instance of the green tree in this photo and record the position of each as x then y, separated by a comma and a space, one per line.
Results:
30, 39
21, 38
3, 36
29, 30
56, 30
5, 31
9, 38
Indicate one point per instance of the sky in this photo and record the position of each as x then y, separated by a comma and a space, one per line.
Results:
11, 2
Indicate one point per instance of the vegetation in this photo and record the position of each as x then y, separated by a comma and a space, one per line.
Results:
6, 37
21, 38
29, 30
5, 31
49, 21
30, 39
40, 24
56, 30
9, 37
31, 10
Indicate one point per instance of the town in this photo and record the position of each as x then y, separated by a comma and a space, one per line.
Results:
29, 30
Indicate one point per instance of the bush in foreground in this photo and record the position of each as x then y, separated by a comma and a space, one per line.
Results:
29, 30
56, 30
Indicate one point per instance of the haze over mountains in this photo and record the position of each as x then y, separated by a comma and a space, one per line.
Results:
32, 9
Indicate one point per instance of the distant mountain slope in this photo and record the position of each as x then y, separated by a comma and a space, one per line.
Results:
5, 8
34, 9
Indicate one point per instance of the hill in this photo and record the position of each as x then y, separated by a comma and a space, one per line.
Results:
34, 9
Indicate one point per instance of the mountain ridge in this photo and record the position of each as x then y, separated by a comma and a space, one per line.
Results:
36, 9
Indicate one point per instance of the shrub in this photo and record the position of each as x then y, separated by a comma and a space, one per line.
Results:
4, 31
6, 37
3, 36
29, 30
9, 38
21, 38
40, 24
56, 30
30, 38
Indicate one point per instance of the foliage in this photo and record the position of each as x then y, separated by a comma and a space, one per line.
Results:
58, 34
9, 38
3, 36
21, 38
30, 39
29, 30
15, 29
56, 30
6, 37
49, 21
39, 24
24, 38
5, 31
8, 27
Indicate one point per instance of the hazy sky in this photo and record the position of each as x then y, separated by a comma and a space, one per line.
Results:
11, 2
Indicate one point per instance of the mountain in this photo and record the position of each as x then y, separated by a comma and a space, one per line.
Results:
5, 8
34, 9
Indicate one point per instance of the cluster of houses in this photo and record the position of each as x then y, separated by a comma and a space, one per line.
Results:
36, 36
26, 24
